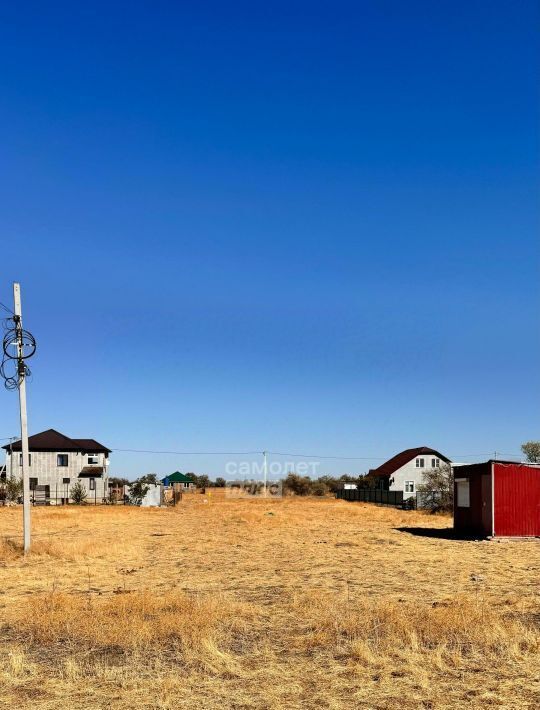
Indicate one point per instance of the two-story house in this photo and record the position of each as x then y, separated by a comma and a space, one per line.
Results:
405, 471
56, 462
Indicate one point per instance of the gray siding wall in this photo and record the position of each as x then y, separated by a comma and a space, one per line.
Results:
410, 472
44, 467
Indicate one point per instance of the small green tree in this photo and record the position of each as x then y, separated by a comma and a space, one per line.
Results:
203, 481
220, 482
437, 488
319, 488
14, 490
78, 493
137, 490
299, 485
531, 449
367, 482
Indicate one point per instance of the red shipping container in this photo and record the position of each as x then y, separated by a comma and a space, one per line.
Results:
497, 498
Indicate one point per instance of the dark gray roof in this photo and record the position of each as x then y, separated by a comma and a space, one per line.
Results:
52, 440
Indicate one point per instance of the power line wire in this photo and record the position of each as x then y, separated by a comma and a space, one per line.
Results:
191, 453
281, 453
246, 453
337, 458
372, 458
7, 309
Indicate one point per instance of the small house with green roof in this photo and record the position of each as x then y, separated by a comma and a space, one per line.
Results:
177, 477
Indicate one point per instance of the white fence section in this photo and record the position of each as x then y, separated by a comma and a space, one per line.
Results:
153, 497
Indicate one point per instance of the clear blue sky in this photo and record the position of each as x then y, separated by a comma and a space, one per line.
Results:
306, 227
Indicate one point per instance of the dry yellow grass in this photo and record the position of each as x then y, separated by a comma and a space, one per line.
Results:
296, 603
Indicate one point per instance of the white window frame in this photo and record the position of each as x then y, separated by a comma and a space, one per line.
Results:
463, 493
435, 463
91, 461
92, 484
420, 463
409, 486
29, 459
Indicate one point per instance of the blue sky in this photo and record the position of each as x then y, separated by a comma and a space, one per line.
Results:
302, 227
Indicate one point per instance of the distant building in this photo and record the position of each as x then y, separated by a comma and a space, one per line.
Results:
57, 462
177, 477
405, 471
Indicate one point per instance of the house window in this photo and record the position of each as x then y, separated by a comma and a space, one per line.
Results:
93, 459
65, 480
435, 463
29, 459
62, 460
419, 463
33, 484
409, 486
92, 482
463, 493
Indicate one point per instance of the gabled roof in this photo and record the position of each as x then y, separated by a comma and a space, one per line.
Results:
399, 460
52, 440
177, 477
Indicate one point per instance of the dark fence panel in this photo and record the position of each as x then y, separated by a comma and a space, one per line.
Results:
39, 500
369, 495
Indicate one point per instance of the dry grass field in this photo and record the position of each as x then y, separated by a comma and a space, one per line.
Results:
293, 603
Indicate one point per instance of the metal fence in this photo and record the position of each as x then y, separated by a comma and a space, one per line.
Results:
39, 498
371, 495
425, 500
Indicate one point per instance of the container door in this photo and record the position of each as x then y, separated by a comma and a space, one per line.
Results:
517, 500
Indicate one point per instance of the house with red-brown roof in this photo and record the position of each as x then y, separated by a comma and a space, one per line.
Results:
56, 462
405, 471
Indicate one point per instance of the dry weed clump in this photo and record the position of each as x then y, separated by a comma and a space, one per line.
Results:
198, 630
67, 551
9, 550
462, 627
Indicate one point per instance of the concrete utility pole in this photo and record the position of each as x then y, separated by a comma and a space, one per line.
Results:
24, 419
265, 471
